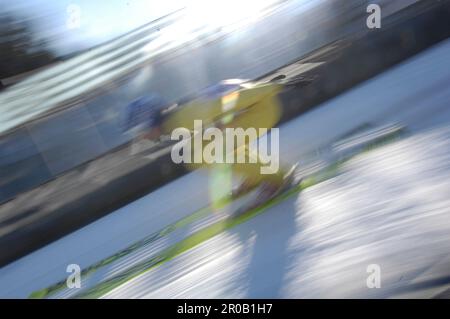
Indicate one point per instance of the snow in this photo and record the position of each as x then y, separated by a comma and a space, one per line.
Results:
389, 207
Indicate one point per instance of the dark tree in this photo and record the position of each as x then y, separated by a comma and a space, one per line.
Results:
20, 49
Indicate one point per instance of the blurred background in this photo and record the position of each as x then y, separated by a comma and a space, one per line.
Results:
68, 69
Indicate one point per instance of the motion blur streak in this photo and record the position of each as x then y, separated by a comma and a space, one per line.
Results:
389, 206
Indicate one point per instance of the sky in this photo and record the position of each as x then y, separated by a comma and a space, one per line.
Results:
72, 25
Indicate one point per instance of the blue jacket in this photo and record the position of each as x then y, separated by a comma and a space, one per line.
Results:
145, 111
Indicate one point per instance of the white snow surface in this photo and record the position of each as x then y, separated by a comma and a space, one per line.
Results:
389, 207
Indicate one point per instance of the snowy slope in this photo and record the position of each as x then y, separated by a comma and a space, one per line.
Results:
389, 207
